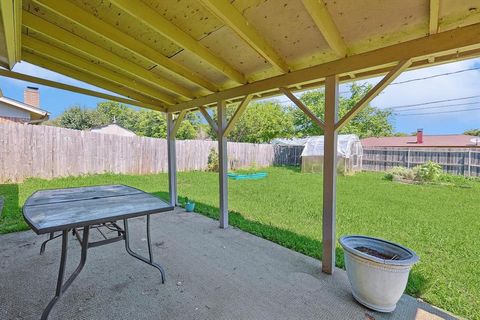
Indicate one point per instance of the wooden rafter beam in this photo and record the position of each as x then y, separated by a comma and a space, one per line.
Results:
443, 42
236, 116
320, 15
209, 119
96, 52
392, 75
11, 15
157, 22
113, 34
177, 122
434, 16
93, 80
226, 12
303, 107
62, 86
77, 62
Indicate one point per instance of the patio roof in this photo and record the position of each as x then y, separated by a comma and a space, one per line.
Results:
181, 55
175, 55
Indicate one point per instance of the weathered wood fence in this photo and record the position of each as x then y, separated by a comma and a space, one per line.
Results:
453, 160
49, 152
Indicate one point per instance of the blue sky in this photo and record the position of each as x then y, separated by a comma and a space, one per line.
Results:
445, 87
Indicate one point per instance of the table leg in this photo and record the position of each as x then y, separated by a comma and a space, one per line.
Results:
61, 286
44, 243
149, 244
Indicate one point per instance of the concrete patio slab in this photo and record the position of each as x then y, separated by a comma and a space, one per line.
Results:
211, 274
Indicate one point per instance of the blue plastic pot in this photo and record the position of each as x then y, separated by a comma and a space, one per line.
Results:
190, 206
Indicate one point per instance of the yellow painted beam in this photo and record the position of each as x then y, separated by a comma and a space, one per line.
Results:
236, 116
374, 61
178, 122
109, 32
62, 86
303, 107
375, 91
95, 81
148, 16
86, 66
434, 16
320, 15
12, 24
123, 65
235, 20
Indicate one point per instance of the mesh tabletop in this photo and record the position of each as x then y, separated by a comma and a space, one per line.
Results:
60, 209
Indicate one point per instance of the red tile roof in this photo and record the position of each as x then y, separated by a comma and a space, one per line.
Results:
445, 141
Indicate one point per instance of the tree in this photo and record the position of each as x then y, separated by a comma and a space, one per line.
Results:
473, 132
260, 123
78, 118
369, 122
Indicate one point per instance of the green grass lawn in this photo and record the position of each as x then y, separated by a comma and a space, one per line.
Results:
441, 223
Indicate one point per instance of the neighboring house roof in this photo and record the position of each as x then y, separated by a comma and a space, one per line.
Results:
429, 141
114, 129
35, 113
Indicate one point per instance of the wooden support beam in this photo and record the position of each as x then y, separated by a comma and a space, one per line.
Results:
139, 99
330, 174
442, 42
209, 119
143, 101
172, 161
303, 107
178, 122
434, 16
236, 116
93, 24
157, 22
120, 64
226, 12
320, 15
11, 16
76, 62
392, 75
62, 86
222, 164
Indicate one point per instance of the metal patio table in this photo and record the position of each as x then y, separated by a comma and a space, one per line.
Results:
80, 210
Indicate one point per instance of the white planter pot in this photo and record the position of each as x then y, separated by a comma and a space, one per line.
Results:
377, 282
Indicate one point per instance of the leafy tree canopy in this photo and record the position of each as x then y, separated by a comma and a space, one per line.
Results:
473, 132
367, 123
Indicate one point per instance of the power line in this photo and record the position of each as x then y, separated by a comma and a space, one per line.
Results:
435, 76
439, 112
433, 102
438, 107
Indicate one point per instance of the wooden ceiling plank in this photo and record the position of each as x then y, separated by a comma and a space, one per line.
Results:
50, 30
462, 37
77, 62
161, 25
99, 27
434, 16
226, 12
320, 15
11, 14
67, 87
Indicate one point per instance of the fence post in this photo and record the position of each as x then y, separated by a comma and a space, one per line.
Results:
408, 158
469, 162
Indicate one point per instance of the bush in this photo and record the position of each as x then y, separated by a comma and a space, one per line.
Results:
428, 172
212, 164
400, 173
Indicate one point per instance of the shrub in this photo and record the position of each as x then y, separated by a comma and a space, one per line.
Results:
212, 164
428, 172
400, 173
